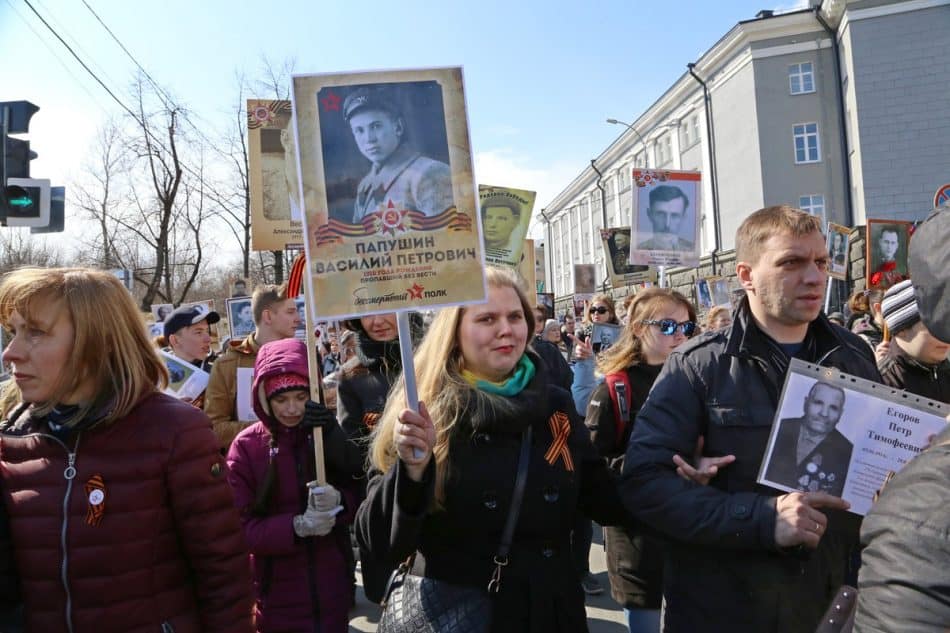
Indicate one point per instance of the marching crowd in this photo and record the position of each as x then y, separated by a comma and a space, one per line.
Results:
125, 509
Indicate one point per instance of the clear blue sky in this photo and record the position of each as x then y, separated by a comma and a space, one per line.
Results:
541, 77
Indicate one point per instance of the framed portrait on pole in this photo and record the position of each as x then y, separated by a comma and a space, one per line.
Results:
839, 238
389, 204
665, 217
622, 273
886, 254
272, 176
505, 215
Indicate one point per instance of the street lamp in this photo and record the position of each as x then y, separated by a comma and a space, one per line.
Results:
632, 129
662, 269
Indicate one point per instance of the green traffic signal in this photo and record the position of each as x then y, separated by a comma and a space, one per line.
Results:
18, 197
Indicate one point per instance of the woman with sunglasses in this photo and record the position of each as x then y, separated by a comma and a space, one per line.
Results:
659, 320
600, 310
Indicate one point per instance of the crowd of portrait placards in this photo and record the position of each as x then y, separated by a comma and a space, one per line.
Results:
411, 417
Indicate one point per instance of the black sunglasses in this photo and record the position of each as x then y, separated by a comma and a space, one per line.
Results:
669, 326
599, 310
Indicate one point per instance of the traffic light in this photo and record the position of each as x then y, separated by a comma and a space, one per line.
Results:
57, 212
15, 199
31, 206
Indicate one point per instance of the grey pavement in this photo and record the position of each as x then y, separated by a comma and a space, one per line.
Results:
603, 614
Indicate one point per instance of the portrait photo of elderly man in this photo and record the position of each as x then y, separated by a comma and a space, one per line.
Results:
399, 172
666, 226
809, 453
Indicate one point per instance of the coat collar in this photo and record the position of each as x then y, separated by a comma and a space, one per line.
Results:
746, 339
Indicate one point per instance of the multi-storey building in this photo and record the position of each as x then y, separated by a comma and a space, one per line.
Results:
838, 109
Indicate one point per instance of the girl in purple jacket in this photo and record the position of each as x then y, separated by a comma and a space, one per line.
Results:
296, 531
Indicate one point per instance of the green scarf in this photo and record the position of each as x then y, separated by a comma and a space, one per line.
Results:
524, 372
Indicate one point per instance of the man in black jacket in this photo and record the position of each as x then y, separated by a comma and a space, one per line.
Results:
741, 557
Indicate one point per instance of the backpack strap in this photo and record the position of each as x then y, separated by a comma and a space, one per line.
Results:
618, 384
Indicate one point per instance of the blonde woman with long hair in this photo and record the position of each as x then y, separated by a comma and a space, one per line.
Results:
659, 319
446, 472
120, 512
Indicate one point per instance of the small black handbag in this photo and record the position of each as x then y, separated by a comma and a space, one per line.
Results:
416, 604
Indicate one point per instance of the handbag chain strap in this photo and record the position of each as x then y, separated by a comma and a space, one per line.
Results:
501, 558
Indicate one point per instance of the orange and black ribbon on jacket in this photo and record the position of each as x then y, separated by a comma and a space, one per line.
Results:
560, 426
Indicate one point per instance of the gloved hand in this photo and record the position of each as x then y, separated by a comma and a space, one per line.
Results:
322, 498
314, 523
316, 415
343, 457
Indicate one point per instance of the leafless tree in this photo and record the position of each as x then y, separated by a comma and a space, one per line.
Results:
100, 196
18, 249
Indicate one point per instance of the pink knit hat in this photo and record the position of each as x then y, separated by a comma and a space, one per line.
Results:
280, 383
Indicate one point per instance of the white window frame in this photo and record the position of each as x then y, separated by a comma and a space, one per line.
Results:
800, 130
813, 204
799, 73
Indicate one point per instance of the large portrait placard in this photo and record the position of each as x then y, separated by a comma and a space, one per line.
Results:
842, 435
837, 244
622, 273
240, 317
665, 217
585, 280
539, 274
390, 213
887, 249
526, 268
272, 176
506, 213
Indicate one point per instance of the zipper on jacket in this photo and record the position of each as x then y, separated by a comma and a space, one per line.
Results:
69, 474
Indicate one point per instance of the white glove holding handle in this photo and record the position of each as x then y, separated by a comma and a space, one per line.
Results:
314, 523
323, 498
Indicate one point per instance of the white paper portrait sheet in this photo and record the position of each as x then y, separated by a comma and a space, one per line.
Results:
879, 430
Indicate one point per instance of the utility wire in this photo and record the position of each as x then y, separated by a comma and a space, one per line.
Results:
83, 64
140, 121
168, 98
58, 58
77, 44
154, 83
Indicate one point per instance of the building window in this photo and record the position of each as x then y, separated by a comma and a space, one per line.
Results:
806, 143
664, 150
813, 205
689, 132
801, 78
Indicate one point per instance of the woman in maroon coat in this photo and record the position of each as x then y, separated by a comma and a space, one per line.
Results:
120, 514
297, 532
